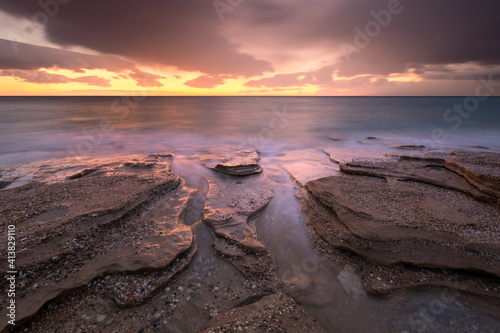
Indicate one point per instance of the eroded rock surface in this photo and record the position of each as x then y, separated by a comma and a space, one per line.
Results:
306, 165
480, 169
103, 243
98, 223
230, 208
411, 210
239, 163
429, 170
273, 313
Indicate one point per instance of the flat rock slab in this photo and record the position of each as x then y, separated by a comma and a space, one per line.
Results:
59, 170
53, 212
429, 170
342, 155
393, 222
273, 313
474, 173
99, 223
230, 206
307, 164
481, 169
239, 163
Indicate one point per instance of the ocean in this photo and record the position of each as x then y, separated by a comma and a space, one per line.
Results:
297, 138
37, 128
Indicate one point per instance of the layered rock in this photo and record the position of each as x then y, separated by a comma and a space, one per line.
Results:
408, 210
239, 163
95, 224
230, 208
428, 170
481, 169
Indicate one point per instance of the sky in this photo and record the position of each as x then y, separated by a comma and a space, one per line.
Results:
249, 47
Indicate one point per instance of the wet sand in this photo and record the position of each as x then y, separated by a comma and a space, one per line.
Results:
229, 240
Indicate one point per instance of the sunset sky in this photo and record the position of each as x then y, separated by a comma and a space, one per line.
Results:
248, 47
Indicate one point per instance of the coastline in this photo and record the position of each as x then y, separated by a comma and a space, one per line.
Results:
120, 238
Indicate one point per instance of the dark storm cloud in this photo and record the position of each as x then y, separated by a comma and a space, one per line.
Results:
423, 32
182, 33
188, 34
415, 33
14, 55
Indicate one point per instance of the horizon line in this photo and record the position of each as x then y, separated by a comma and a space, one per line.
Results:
146, 95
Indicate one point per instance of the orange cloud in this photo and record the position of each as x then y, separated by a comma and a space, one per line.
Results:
205, 81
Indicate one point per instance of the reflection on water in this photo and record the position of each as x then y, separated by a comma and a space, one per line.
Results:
38, 128
307, 278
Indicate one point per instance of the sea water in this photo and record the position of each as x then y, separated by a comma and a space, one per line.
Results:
36, 128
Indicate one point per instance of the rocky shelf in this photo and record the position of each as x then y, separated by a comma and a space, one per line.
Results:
134, 244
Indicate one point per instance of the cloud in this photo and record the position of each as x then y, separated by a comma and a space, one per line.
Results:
42, 77
204, 81
15, 55
146, 79
425, 32
318, 77
303, 33
467, 71
447, 40
177, 33
21, 56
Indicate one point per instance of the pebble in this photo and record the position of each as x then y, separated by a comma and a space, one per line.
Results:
100, 318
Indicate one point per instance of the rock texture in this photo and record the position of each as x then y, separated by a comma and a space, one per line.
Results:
239, 163
124, 244
429, 170
412, 210
231, 206
481, 169
273, 313
91, 225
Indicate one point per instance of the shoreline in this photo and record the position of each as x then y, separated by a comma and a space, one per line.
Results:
387, 230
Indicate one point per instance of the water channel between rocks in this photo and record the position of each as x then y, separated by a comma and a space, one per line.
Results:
333, 297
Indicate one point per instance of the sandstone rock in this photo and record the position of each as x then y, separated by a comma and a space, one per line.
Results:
393, 222
273, 313
410, 147
240, 163
479, 168
74, 231
229, 210
429, 170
